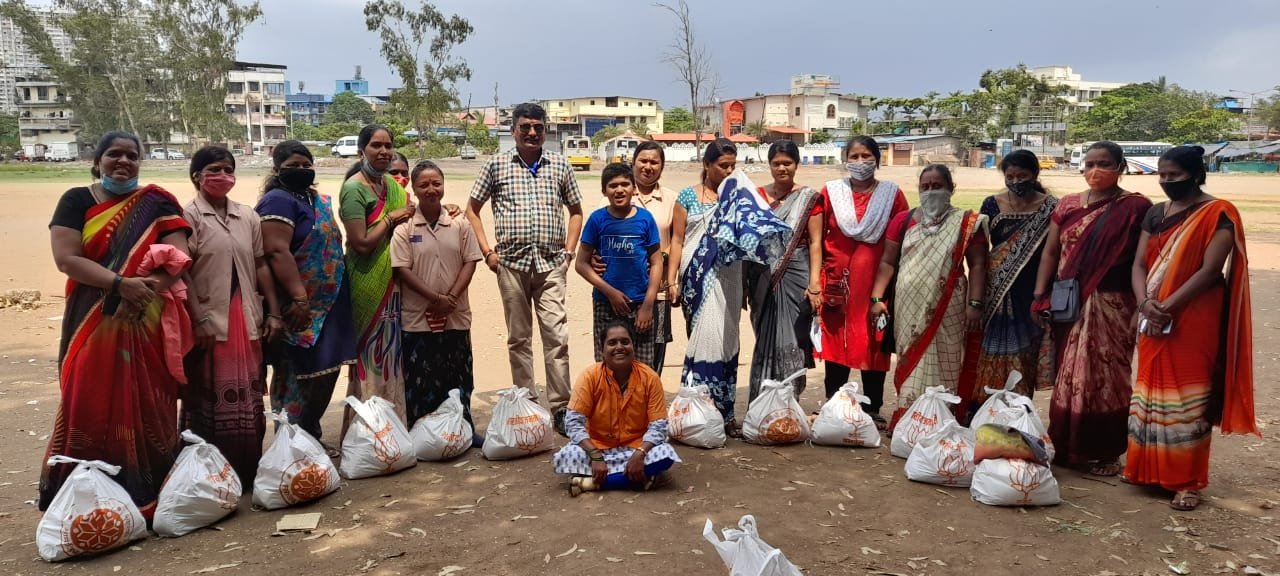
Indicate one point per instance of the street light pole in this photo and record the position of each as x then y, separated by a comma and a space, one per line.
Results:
1248, 133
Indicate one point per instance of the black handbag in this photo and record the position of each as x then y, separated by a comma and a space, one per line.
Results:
1064, 298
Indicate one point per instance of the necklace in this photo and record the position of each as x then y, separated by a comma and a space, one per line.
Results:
714, 197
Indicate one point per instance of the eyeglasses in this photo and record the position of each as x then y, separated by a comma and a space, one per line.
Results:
536, 128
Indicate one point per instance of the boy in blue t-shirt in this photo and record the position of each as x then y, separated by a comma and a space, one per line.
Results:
626, 238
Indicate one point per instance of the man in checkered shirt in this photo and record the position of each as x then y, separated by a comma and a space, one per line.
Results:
530, 189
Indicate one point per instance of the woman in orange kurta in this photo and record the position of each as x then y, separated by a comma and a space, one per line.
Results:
855, 214
1190, 376
616, 422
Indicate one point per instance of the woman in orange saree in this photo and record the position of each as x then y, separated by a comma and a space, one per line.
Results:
1190, 376
1092, 239
119, 397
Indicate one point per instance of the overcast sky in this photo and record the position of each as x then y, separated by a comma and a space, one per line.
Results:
544, 49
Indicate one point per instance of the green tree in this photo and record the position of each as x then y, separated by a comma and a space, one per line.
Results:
967, 116
1010, 93
1145, 111
819, 136
1203, 125
427, 81
299, 130
605, 134
1268, 112
639, 128
677, 119
478, 135
347, 107
757, 129
198, 39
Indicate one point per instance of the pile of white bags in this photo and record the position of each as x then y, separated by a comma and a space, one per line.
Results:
843, 423
693, 419
1002, 406
944, 457
377, 442
294, 468
519, 427
442, 434
746, 554
91, 513
775, 417
927, 414
1016, 482
201, 489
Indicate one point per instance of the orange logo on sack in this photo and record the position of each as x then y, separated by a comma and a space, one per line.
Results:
953, 466
304, 481
782, 427
101, 529
385, 447
530, 438
1023, 479
454, 444
228, 487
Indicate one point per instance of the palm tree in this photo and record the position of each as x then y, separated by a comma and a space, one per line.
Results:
757, 129
639, 127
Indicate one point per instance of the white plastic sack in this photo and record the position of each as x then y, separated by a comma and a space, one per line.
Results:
91, 513
746, 554
927, 414
442, 434
693, 419
519, 427
294, 468
1014, 483
841, 422
1002, 406
775, 417
815, 334
377, 442
201, 489
944, 457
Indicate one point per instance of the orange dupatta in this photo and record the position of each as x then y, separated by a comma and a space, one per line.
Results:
1175, 261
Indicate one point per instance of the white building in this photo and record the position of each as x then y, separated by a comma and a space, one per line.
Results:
1080, 92
17, 60
811, 105
589, 114
256, 100
45, 120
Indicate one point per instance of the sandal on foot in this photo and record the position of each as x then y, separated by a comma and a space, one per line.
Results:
732, 429
881, 424
1106, 469
331, 451
1185, 500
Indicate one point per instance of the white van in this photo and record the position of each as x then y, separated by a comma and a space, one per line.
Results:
346, 147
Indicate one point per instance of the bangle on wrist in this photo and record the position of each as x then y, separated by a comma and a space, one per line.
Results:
115, 283
876, 299
975, 304
203, 321
814, 292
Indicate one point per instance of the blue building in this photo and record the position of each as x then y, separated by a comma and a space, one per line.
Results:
308, 108
359, 86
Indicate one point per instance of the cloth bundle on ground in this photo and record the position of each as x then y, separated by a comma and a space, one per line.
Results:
293, 469
377, 442
746, 554
944, 457
841, 422
442, 434
926, 415
775, 417
91, 513
519, 427
693, 419
1003, 479
201, 489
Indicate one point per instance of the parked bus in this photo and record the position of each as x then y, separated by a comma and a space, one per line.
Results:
621, 149
577, 149
1141, 157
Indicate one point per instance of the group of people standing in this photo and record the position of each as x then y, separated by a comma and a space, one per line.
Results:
848, 274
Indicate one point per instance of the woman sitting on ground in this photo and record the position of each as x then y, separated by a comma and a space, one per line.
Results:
616, 422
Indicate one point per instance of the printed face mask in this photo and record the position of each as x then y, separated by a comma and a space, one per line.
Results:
861, 171
1022, 189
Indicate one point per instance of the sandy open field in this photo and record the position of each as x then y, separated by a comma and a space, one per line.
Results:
832, 511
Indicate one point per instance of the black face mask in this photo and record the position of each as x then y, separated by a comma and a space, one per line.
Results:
296, 179
1024, 188
1180, 189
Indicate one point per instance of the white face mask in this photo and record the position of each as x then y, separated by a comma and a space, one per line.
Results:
935, 203
861, 171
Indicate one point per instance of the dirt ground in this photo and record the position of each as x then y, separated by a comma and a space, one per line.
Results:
830, 510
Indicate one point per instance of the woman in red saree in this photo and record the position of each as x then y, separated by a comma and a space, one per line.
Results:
119, 397
1092, 239
1190, 376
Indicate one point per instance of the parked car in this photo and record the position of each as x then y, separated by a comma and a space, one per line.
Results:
467, 152
163, 154
346, 147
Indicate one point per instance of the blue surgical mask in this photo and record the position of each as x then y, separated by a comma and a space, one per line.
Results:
861, 171
373, 174
119, 187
